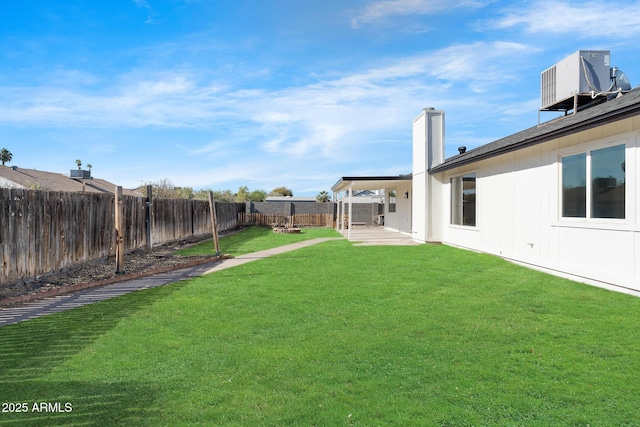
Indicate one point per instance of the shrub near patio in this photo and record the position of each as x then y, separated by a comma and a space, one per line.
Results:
338, 334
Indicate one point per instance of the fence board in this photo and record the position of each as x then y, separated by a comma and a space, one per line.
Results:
45, 231
280, 220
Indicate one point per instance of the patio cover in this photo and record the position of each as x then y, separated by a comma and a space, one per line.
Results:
368, 182
350, 183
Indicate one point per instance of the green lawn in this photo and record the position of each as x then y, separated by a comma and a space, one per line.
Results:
256, 239
335, 334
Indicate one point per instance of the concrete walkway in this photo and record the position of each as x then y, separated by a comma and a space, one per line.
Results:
378, 236
59, 303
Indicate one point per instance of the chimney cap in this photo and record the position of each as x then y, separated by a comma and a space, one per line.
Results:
462, 149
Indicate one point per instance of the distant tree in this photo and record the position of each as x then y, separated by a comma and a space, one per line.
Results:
163, 189
281, 191
202, 194
218, 195
79, 163
89, 166
258, 196
184, 193
242, 195
34, 186
224, 196
323, 197
5, 156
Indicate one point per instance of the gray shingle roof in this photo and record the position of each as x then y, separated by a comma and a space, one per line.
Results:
613, 110
52, 181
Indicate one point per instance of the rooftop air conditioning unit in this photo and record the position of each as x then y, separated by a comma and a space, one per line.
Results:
585, 72
80, 174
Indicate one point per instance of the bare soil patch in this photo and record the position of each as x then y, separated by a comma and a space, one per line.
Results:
139, 262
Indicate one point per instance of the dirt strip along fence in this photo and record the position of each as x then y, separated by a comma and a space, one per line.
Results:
296, 220
46, 231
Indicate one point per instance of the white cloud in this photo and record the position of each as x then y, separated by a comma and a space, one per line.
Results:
591, 19
333, 118
380, 10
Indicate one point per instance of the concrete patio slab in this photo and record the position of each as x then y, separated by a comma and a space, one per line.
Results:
369, 236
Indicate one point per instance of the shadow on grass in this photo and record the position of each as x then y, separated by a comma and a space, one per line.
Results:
31, 349
81, 403
234, 244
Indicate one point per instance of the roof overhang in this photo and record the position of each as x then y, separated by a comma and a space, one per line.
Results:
605, 113
369, 182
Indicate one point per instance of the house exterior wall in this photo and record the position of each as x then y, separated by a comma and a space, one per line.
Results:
518, 210
400, 220
428, 151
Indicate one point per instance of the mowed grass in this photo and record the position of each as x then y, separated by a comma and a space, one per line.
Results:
255, 239
335, 334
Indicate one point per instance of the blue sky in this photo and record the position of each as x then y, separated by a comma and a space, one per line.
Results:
218, 94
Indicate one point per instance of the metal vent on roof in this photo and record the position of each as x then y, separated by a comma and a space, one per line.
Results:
79, 174
575, 79
579, 81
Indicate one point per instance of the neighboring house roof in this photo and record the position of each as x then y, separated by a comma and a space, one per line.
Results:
628, 105
290, 199
15, 177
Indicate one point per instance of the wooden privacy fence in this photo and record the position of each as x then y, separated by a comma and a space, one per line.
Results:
45, 231
296, 220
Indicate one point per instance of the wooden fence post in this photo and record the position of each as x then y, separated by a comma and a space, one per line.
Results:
214, 222
149, 218
119, 231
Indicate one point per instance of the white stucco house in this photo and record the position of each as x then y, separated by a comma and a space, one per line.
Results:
562, 196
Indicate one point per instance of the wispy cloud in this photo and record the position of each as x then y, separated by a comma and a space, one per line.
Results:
591, 19
325, 112
336, 118
381, 10
144, 5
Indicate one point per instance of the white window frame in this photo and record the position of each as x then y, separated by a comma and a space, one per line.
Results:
392, 200
588, 149
477, 213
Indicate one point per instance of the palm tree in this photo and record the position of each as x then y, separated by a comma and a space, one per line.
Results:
323, 197
5, 156
79, 163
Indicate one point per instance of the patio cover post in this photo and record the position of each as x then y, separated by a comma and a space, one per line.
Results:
350, 212
336, 197
342, 217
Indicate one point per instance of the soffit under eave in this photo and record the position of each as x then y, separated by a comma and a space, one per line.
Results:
372, 184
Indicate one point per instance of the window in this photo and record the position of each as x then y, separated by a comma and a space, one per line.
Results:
574, 186
392, 201
463, 200
593, 184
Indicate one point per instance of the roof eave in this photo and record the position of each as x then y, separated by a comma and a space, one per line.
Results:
341, 184
606, 118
